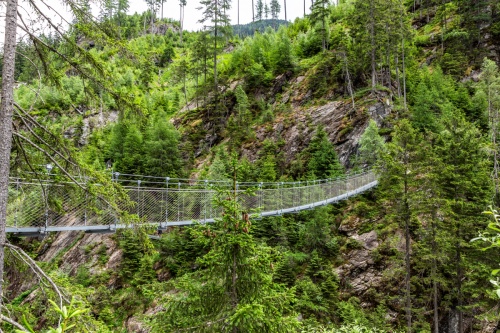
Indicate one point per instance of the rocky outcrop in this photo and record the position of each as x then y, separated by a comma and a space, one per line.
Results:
343, 125
294, 122
358, 270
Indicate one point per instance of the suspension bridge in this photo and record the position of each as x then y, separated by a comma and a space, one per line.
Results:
43, 206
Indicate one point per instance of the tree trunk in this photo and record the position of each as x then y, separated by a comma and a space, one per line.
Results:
459, 283
6, 111
181, 19
435, 304
215, 53
372, 42
407, 257
253, 12
348, 76
185, 91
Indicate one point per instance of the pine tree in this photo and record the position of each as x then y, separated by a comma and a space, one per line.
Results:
319, 17
217, 22
275, 9
371, 144
400, 181
259, 8
233, 292
323, 162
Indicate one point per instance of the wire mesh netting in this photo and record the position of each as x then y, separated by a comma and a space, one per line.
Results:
44, 204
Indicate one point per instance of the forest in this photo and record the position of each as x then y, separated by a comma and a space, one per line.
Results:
409, 89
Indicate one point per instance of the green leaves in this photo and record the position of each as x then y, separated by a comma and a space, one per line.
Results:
66, 313
233, 288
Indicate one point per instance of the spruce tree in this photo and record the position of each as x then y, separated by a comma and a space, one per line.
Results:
400, 182
233, 291
489, 89
275, 9
371, 144
319, 17
323, 162
216, 21
259, 8
466, 186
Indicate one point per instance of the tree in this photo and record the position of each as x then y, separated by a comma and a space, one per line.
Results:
371, 144
253, 12
181, 71
275, 9
214, 14
259, 7
121, 10
74, 58
162, 156
108, 9
182, 5
323, 162
489, 89
380, 29
399, 179
6, 114
466, 186
319, 16
233, 291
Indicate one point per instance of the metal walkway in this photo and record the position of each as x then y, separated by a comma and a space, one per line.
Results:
36, 208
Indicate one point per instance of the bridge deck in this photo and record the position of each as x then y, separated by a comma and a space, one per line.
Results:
32, 211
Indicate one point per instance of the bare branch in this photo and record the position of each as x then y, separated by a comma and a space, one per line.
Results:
66, 159
37, 93
32, 264
50, 158
12, 322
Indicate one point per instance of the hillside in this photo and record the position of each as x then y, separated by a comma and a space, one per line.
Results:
406, 88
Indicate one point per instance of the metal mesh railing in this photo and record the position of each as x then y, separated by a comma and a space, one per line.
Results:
52, 206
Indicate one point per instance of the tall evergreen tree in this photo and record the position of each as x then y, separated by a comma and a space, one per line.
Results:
489, 90
234, 291
466, 186
259, 8
371, 144
400, 182
319, 17
275, 9
182, 6
216, 21
323, 162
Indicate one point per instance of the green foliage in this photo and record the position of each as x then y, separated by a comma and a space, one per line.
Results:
323, 162
234, 289
136, 265
371, 144
68, 315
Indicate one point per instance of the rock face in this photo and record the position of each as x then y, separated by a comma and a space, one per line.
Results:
358, 271
83, 249
343, 125
294, 122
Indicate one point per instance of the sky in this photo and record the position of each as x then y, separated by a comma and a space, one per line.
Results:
295, 8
